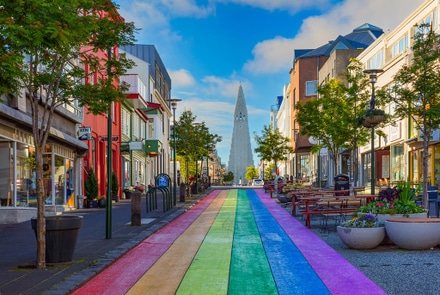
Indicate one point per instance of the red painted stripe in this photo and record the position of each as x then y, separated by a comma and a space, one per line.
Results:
120, 276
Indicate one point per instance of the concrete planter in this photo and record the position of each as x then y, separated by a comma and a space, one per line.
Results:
384, 217
361, 238
61, 236
414, 234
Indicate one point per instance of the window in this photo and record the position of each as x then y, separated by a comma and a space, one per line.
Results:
376, 61
400, 46
136, 127
125, 122
311, 87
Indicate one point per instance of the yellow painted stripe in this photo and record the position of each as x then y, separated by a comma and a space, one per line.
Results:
166, 274
209, 272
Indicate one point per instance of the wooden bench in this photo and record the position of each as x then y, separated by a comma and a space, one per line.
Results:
348, 205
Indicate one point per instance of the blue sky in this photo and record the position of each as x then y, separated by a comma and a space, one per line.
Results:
210, 47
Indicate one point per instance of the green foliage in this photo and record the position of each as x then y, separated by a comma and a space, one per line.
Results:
333, 118
268, 172
115, 183
251, 173
272, 145
45, 49
91, 185
193, 141
228, 177
398, 200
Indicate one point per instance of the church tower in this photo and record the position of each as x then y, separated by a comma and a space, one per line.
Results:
240, 156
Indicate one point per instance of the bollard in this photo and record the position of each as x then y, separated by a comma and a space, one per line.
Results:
182, 192
136, 202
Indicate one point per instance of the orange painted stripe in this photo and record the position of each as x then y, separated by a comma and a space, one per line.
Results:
166, 274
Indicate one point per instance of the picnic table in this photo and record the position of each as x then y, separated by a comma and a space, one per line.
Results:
297, 196
330, 205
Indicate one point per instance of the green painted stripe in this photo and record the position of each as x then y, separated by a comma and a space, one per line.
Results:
250, 269
209, 271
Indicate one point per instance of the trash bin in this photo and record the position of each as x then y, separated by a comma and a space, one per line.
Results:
80, 202
342, 182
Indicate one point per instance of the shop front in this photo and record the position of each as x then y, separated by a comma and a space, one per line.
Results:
18, 194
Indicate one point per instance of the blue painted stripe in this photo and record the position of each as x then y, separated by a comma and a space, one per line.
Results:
292, 273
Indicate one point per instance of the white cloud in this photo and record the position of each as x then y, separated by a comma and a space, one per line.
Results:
217, 115
270, 56
220, 86
292, 6
275, 55
181, 78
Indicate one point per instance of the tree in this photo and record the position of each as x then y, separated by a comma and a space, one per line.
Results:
272, 145
268, 171
45, 49
251, 173
333, 118
193, 140
416, 92
91, 185
228, 177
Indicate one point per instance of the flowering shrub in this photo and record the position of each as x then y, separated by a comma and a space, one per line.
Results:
388, 194
398, 200
139, 188
363, 221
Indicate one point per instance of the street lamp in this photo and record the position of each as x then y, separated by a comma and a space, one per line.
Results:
174, 106
373, 78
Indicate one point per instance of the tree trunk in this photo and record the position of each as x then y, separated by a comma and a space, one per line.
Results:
41, 221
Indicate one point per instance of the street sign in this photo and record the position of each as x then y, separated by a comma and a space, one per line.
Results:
114, 138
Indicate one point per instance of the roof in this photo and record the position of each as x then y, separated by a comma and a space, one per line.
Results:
360, 38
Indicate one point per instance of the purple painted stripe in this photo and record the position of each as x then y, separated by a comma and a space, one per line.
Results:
339, 275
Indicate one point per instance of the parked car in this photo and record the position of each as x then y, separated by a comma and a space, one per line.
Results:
256, 182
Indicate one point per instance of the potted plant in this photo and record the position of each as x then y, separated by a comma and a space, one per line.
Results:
91, 188
139, 188
115, 186
362, 232
373, 117
398, 201
102, 201
414, 233
127, 192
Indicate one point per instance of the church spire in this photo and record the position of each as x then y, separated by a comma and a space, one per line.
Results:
240, 156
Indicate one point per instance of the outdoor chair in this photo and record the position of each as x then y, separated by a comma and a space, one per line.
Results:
433, 200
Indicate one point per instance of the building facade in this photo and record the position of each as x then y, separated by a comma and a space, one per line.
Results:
399, 154
62, 160
146, 116
312, 67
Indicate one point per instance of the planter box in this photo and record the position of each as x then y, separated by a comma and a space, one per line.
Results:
384, 217
414, 234
61, 236
371, 121
361, 238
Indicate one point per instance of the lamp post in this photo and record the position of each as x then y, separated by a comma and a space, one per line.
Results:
373, 78
174, 106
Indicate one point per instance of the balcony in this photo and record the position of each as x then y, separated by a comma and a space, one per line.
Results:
153, 147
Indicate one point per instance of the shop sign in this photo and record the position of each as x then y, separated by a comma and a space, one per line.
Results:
84, 133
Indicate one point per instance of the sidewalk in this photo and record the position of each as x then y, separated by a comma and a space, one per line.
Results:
93, 251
